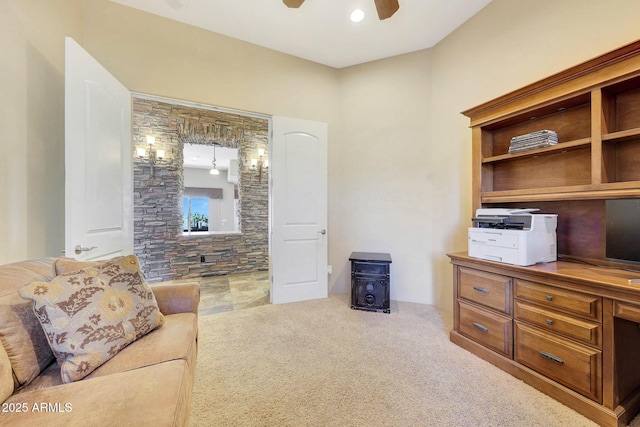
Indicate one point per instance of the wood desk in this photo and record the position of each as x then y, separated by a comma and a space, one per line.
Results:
570, 330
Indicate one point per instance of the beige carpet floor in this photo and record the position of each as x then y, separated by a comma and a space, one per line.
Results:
319, 363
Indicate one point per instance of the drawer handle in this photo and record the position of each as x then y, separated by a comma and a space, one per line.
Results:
481, 327
481, 289
552, 357
549, 322
549, 298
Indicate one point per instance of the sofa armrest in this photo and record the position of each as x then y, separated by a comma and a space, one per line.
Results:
177, 298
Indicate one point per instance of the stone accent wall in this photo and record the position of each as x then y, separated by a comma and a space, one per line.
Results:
164, 252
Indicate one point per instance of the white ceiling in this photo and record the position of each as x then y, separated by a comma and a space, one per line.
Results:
320, 30
201, 156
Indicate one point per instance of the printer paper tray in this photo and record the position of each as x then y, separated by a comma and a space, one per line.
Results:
497, 238
492, 253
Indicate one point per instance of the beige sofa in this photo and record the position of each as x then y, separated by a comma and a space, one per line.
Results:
148, 382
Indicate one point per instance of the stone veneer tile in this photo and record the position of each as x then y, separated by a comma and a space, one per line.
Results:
164, 253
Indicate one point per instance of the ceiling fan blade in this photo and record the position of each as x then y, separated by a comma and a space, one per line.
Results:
386, 8
293, 3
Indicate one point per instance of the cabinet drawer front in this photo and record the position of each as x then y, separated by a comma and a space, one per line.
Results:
576, 366
560, 299
489, 329
626, 311
582, 330
488, 289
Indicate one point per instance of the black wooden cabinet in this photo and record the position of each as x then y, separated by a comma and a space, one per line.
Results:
370, 281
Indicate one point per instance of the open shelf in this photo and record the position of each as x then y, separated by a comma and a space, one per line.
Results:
621, 106
556, 168
569, 118
622, 135
560, 147
621, 156
597, 156
619, 190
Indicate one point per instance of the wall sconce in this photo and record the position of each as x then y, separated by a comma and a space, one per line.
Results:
142, 152
259, 163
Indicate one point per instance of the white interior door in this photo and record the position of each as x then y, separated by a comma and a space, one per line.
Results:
98, 161
298, 210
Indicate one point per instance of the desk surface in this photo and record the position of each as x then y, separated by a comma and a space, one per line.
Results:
612, 279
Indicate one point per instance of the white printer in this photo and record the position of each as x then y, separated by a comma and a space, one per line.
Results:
513, 236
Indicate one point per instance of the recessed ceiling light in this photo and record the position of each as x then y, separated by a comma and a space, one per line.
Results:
357, 15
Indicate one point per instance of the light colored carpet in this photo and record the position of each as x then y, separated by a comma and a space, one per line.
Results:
319, 363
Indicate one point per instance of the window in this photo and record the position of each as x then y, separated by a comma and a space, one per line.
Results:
201, 210
195, 214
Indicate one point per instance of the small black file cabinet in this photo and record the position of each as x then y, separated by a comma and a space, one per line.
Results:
370, 281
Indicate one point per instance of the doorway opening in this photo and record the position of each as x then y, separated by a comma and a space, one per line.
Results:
237, 206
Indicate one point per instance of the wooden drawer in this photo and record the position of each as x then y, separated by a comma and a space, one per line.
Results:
570, 302
587, 332
489, 329
576, 366
488, 289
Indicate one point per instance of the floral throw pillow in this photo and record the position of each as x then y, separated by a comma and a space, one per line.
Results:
89, 315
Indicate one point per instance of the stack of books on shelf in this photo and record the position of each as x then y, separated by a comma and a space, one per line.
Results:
533, 140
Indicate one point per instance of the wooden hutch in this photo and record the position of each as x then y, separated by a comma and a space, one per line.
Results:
568, 328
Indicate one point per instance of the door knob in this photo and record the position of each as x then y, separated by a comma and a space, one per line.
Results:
79, 249
323, 231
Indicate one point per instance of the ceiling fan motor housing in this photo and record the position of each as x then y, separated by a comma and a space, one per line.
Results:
385, 8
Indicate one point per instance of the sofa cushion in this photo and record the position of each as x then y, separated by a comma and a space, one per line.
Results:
49, 377
157, 395
174, 341
20, 332
89, 315
6, 379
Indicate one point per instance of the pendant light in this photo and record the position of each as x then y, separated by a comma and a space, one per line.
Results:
213, 170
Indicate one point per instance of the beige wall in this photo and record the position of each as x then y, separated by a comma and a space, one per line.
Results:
380, 182
32, 124
405, 156
158, 56
399, 149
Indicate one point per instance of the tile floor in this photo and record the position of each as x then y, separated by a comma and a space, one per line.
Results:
233, 292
